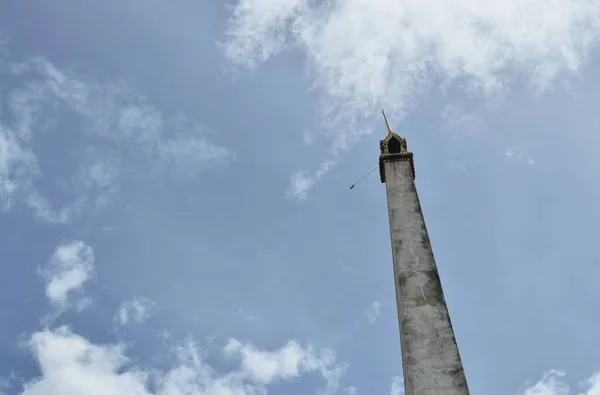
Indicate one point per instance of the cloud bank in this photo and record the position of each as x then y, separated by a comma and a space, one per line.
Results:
70, 364
365, 54
361, 55
552, 384
112, 131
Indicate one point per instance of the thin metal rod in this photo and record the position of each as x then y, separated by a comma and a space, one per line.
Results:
353, 185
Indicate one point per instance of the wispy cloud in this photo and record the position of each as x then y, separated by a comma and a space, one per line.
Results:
302, 182
71, 364
372, 312
69, 267
397, 386
289, 362
100, 131
363, 54
520, 155
5, 385
552, 384
135, 311
351, 390
17, 165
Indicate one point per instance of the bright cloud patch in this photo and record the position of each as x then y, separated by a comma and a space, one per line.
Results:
70, 266
135, 311
112, 130
287, 363
372, 312
302, 183
72, 365
552, 384
365, 54
397, 386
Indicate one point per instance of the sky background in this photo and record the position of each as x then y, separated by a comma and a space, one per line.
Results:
176, 217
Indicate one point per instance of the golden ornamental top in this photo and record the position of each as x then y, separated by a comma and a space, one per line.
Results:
393, 143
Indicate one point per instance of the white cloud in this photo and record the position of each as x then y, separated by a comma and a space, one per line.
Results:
136, 311
301, 182
351, 390
397, 386
365, 54
69, 267
44, 211
17, 164
520, 155
592, 385
72, 365
552, 383
372, 312
104, 131
258, 29
289, 362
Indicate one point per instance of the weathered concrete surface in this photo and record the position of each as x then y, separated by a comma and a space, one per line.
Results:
430, 357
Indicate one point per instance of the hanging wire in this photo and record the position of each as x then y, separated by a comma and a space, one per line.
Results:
353, 185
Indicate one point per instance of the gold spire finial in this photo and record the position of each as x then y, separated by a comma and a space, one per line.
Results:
386, 123
393, 148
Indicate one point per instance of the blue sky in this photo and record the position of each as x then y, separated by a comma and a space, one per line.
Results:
176, 217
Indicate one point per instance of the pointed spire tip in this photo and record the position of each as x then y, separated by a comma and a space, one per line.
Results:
386, 122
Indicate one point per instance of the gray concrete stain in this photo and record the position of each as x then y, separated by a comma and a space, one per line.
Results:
430, 358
